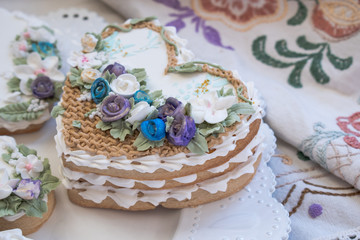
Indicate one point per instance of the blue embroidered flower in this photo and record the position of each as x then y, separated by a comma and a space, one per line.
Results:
153, 129
142, 96
99, 90
44, 48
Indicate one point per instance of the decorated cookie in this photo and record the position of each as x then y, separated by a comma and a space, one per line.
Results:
141, 124
26, 187
31, 79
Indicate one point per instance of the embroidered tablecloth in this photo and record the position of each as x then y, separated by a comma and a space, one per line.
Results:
304, 57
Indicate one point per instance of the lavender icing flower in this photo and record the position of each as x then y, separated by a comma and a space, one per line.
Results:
114, 107
42, 87
115, 68
28, 189
182, 130
171, 107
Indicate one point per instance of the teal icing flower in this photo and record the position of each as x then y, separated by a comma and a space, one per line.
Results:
142, 96
44, 48
99, 90
153, 129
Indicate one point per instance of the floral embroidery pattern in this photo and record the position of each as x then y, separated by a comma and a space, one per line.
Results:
351, 125
241, 15
209, 33
316, 70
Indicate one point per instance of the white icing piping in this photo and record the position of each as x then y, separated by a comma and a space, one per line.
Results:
150, 164
128, 197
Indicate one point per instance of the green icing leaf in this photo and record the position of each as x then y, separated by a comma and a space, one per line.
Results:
10, 205
136, 125
186, 68
154, 114
29, 82
222, 93
76, 124
206, 129
198, 144
338, 63
169, 121
241, 108
299, 16
187, 109
120, 129
103, 126
140, 75
156, 94
109, 77
139, 20
20, 61
14, 84
57, 110
34, 207
25, 150
75, 77
89, 112
241, 96
57, 90
6, 157
231, 119
316, 70
142, 143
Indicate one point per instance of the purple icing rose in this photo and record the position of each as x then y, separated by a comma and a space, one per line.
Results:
182, 130
28, 189
115, 68
42, 87
171, 107
114, 107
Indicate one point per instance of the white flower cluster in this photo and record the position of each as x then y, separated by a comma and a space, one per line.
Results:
37, 105
85, 96
97, 112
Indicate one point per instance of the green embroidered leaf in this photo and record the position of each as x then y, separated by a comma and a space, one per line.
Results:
231, 119
20, 61
76, 123
316, 70
18, 111
156, 94
338, 63
241, 108
206, 129
57, 110
299, 16
89, 112
303, 43
142, 143
198, 144
302, 156
295, 75
169, 121
25, 150
258, 49
103, 126
139, 20
120, 129
14, 84
34, 207
282, 50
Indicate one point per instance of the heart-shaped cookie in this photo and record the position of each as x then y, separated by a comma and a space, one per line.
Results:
140, 114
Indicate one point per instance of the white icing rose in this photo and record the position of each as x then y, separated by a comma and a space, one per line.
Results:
41, 35
211, 108
140, 111
125, 85
5, 188
29, 167
84, 60
13, 234
35, 66
88, 42
89, 75
19, 49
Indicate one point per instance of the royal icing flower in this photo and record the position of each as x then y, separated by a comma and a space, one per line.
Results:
99, 90
153, 129
84, 60
142, 96
89, 75
28, 189
6, 143
42, 87
115, 68
29, 167
44, 48
114, 107
40, 35
211, 108
140, 111
35, 66
88, 42
125, 85
5, 188
182, 130
171, 107
19, 49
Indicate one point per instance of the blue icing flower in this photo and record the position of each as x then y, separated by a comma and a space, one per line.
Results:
99, 90
153, 129
45, 48
142, 96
